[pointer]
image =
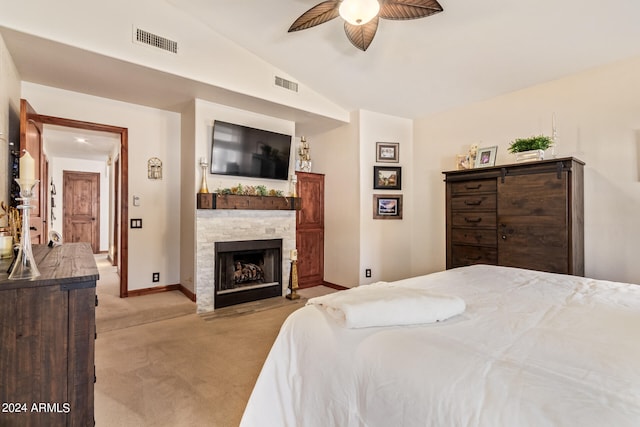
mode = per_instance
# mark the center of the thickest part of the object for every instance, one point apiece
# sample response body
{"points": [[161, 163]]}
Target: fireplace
{"points": [[247, 270]]}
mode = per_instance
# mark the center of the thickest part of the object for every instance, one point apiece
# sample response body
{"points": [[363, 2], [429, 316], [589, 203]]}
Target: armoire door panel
{"points": [[543, 194], [310, 229]]}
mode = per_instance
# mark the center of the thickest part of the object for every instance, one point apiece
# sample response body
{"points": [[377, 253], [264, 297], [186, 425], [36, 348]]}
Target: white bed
{"points": [[531, 349]]}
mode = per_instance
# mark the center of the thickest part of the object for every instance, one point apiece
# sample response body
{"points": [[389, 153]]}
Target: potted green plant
{"points": [[531, 148]]}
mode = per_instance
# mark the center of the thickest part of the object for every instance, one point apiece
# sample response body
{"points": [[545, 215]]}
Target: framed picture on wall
{"points": [[387, 206], [387, 178], [387, 152]]}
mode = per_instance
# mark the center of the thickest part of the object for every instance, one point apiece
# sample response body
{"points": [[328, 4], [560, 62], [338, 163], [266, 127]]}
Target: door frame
{"points": [[123, 265]]}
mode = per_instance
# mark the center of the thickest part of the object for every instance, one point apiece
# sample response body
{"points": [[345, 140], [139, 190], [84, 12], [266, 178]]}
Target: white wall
{"points": [[151, 133], [354, 241], [385, 245], [107, 28], [58, 165], [9, 96], [598, 121], [337, 155]]}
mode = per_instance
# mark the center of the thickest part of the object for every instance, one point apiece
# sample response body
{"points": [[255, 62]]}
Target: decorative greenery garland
{"points": [[250, 190]]}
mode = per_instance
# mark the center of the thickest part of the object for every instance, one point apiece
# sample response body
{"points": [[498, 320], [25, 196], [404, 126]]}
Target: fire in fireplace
{"points": [[247, 270]]}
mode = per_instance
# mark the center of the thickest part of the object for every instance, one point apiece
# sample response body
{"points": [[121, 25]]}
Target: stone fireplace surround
{"points": [[227, 225]]}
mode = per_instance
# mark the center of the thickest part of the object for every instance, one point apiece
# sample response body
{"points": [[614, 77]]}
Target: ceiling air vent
{"points": [[145, 37], [287, 84]]}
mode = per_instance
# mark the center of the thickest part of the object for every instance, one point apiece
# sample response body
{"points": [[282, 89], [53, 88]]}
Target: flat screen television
{"points": [[245, 151]]}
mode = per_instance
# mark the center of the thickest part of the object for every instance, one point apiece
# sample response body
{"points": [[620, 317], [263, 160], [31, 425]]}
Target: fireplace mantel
{"points": [[236, 201]]}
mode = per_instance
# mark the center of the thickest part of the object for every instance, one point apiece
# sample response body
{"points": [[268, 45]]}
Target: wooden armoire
{"points": [[527, 215], [310, 229]]}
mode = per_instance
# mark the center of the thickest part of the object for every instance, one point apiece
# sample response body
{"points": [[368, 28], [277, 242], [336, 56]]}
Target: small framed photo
{"points": [[486, 157], [387, 178], [387, 207], [387, 152]]}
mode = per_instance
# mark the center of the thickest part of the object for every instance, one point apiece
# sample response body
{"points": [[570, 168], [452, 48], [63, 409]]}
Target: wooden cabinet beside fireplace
{"points": [[527, 215], [310, 229]]}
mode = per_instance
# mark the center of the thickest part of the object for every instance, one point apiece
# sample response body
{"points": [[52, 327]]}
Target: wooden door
{"points": [[533, 220], [310, 229], [81, 208], [31, 140]]}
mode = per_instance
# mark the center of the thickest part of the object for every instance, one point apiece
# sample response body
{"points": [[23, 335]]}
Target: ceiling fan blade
{"points": [[408, 9], [318, 14], [361, 36]]}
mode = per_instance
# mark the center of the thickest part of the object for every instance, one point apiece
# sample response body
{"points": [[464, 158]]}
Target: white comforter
{"points": [[531, 349]]}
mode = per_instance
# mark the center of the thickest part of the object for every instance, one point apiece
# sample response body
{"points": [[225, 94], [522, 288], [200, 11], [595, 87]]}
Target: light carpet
{"points": [[182, 370]]}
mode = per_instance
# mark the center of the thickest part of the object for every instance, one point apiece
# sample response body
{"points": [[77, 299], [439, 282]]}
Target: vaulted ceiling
{"points": [[473, 50]]}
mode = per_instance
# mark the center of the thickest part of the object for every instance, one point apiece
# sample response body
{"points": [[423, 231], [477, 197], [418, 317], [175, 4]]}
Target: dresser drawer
{"points": [[472, 202], [462, 255], [472, 236], [474, 219], [474, 187]]}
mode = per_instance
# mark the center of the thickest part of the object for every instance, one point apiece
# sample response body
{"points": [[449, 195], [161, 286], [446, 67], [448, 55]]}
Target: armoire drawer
{"points": [[474, 236], [474, 187], [462, 255], [474, 219], [472, 202]]}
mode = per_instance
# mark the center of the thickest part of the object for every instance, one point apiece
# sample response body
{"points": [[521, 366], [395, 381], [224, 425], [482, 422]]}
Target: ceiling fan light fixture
{"points": [[359, 12]]}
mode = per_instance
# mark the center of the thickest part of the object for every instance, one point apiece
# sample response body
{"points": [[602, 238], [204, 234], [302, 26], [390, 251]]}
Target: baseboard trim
{"points": [[334, 286], [166, 288]]}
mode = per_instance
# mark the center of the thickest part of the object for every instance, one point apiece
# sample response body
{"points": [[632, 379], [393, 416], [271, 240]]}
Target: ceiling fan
{"points": [[362, 16]]}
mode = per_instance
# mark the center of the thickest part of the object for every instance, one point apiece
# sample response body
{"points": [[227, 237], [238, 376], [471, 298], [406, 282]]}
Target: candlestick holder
{"points": [[24, 266], [203, 184], [293, 281]]}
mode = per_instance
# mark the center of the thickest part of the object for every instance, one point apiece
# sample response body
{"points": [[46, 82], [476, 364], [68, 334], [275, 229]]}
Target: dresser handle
{"points": [[473, 187], [474, 220], [472, 203]]}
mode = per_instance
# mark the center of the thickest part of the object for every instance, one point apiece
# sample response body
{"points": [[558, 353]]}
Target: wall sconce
{"points": [[154, 168]]}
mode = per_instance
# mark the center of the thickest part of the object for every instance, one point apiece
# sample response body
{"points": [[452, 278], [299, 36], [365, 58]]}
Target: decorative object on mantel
{"points": [[246, 202], [154, 168], [293, 185], [361, 16], [24, 265], [293, 276], [486, 157], [531, 148], [203, 184], [304, 158]]}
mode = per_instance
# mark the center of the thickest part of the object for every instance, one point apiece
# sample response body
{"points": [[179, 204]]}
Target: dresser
{"points": [[310, 229], [47, 334], [527, 215]]}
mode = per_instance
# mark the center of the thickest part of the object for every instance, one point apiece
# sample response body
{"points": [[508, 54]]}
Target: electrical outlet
{"points": [[367, 272], [156, 277]]}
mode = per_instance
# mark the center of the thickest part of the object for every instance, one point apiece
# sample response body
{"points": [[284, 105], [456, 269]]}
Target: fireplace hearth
{"points": [[247, 270]]}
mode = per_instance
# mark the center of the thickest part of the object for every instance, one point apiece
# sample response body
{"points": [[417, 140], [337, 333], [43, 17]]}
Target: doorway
{"points": [[120, 181]]}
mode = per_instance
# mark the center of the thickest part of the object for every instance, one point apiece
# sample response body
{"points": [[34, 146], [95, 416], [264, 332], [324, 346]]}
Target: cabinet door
{"points": [[310, 229], [533, 222]]}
